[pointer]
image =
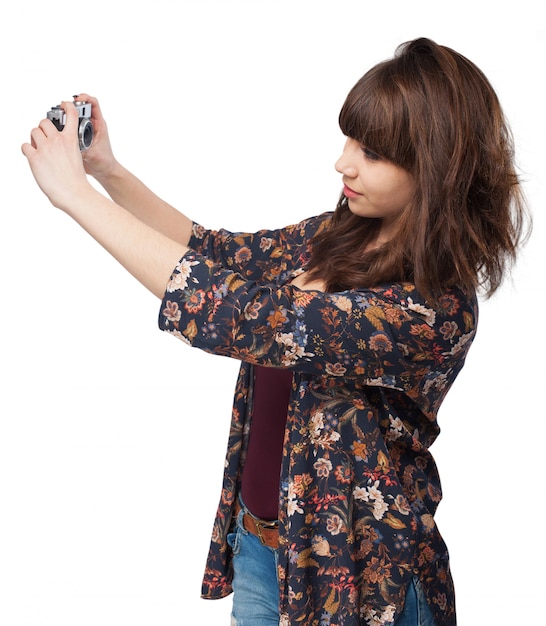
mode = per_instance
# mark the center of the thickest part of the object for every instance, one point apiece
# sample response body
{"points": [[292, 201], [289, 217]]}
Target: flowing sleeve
{"points": [[268, 256], [386, 336]]}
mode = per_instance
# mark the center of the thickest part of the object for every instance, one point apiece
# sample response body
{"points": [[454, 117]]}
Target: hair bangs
{"points": [[375, 114]]}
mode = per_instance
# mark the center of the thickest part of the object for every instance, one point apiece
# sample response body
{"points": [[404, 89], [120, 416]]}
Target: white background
{"points": [[112, 434]]}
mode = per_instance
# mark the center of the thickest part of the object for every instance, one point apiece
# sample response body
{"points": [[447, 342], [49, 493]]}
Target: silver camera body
{"points": [[86, 131]]}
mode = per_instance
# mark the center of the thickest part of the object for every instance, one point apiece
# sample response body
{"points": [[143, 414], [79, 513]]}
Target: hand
{"points": [[99, 159], [56, 162]]}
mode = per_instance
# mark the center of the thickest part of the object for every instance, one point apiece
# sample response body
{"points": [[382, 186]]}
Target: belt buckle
{"points": [[260, 524]]}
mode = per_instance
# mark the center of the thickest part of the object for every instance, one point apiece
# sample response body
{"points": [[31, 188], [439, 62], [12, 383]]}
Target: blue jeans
{"points": [[256, 589], [416, 610], [255, 585]]}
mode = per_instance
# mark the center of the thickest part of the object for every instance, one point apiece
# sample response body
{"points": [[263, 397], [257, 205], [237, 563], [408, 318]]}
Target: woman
{"points": [[350, 327]]}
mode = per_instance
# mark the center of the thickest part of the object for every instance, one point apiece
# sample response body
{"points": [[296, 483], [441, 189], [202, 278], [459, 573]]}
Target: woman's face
{"points": [[373, 186]]}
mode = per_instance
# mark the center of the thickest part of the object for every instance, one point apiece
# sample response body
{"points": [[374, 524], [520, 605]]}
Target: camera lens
{"points": [[85, 133]]}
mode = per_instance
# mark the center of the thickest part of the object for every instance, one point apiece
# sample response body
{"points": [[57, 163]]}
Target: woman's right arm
{"points": [[126, 189]]}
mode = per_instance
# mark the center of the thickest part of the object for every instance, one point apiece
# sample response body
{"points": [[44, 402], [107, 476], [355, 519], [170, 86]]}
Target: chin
{"points": [[359, 211]]}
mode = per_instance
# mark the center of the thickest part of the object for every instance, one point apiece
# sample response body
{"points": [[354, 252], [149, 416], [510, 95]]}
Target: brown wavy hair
{"points": [[434, 113]]}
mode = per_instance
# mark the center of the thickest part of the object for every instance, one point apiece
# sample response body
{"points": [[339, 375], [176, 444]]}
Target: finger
{"points": [[71, 116], [96, 112], [28, 150], [37, 135], [47, 127], [85, 97]]}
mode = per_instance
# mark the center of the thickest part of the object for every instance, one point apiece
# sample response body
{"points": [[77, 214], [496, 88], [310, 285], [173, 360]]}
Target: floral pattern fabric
{"points": [[359, 487]]}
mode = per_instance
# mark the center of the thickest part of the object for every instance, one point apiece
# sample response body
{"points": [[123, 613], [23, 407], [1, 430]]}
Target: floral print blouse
{"points": [[359, 487]]}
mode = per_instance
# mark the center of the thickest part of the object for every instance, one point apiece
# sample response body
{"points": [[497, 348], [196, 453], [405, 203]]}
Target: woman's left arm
{"points": [[56, 163], [385, 336]]}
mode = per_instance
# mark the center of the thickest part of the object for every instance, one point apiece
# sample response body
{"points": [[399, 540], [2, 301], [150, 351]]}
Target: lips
{"points": [[350, 193]]}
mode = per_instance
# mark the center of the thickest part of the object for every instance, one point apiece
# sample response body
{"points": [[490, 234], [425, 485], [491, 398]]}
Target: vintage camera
{"points": [[85, 127]]}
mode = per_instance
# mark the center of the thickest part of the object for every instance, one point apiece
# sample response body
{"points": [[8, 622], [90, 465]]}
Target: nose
{"points": [[346, 164]]}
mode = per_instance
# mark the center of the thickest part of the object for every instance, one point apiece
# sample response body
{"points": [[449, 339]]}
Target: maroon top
{"points": [[261, 472]]}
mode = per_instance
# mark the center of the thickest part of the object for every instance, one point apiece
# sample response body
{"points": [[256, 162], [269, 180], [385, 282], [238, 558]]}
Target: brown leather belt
{"points": [[267, 532]]}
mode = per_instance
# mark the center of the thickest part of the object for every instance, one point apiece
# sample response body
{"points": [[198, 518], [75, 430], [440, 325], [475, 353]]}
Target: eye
{"points": [[370, 154]]}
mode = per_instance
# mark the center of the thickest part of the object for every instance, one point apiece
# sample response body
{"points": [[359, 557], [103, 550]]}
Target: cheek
{"points": [[388, 187], [403, 190], [388, 193]]}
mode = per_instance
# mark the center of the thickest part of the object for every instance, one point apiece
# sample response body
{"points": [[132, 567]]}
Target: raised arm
{"points": [[126, 189], [56, 163]]}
